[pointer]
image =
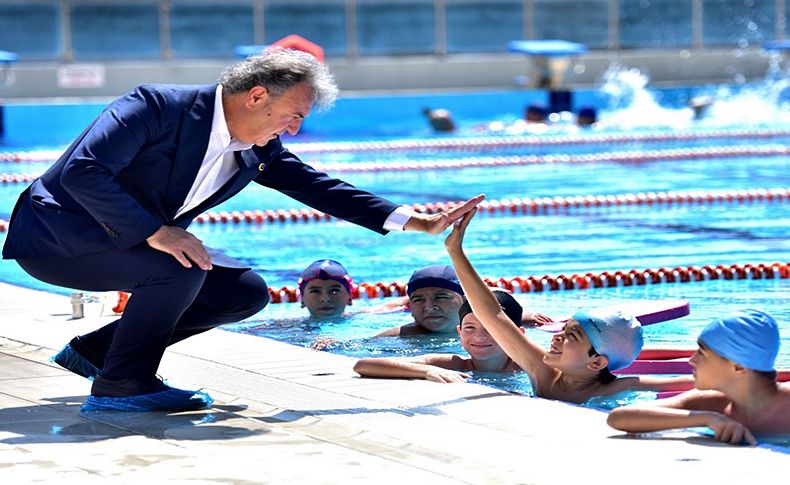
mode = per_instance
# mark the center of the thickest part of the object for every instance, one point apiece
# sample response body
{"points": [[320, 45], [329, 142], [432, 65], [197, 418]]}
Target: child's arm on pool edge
{"points": [[432, 367], [690, 409]]}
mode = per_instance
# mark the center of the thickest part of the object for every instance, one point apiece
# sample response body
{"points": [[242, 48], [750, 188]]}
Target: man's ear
{"points": [[597, 363], [257, 95]]}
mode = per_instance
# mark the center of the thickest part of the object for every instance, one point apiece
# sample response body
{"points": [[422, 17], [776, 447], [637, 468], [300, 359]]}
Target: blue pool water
{"points": [[707, 299], [580, 241]]}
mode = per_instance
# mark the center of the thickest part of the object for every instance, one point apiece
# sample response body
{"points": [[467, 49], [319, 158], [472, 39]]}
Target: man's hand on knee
{"points": [[182, 245]]}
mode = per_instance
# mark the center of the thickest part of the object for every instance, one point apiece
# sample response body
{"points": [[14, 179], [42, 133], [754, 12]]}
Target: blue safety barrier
{"points": [[548, 48]]}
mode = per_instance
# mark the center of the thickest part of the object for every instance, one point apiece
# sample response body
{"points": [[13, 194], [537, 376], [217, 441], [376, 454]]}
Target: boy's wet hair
{"points": [[764, 374], [604, 376]]}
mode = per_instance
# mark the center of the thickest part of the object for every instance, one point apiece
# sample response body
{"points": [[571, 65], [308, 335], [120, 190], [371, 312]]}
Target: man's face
{"points": [[435, 309], [325, 298], [264, 117]]}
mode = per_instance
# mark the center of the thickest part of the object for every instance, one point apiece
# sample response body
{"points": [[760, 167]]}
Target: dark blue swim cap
{"points": [[506, 301], [434, 277]]}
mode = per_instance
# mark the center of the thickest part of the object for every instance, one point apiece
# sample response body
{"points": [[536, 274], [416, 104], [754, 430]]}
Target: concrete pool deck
{"points": [[285, 414]]}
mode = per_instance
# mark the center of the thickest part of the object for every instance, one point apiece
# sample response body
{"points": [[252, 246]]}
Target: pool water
{"points": [[578, 241], [706, 299]]}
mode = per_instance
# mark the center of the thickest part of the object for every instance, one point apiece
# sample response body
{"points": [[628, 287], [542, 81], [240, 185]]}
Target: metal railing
{"points": [[356, 18]]}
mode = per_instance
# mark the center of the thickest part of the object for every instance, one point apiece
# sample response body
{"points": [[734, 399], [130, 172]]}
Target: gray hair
{"points": [[278, 70]]}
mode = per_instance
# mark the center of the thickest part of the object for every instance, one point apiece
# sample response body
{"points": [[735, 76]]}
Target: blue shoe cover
{"points": [[71, 360], [170, 400]]}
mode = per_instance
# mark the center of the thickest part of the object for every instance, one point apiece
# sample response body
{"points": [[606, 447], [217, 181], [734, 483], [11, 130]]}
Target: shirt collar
{"points": [[219, 126]]}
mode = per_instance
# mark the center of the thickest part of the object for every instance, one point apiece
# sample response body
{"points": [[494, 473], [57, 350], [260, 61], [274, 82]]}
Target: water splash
{"points": [[632, 105]]}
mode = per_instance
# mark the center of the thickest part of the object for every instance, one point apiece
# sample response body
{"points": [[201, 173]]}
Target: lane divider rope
{"points": [[628, 156], [17, 178], [477, 143], [524, 206], [632, 156], [516, 206], [587, 281], [31, 156], [537, 284], [506, 141]]}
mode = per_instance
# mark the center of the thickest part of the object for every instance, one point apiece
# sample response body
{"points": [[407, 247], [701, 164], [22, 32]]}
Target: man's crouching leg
{"points": [[228, 295], [127, 381]]}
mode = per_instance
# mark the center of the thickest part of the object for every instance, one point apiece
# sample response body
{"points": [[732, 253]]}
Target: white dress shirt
{"points": [[219, 165], [219, 162]]}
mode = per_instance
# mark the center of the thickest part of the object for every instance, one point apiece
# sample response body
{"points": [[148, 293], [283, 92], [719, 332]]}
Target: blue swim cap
{"points": [[613, 334], [747, 337], [434, 277]]}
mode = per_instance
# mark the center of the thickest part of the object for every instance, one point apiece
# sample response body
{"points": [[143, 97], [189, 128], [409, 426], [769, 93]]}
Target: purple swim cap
{"points": [[325, 269]]}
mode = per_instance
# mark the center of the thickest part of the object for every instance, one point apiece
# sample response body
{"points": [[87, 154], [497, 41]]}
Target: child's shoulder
{"points": [[697, 400], [412, 329], [407, 329], [775, 419]]}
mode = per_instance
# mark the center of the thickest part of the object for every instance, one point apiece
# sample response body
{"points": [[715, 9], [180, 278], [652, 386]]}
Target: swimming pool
{"points": [[720, 229], [506, 244]]}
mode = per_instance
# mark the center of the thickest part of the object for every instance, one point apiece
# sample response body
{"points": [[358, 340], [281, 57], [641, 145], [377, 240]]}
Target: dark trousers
{"points": [[168, 303]]}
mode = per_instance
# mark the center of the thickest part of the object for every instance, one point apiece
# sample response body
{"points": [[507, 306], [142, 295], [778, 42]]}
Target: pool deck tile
{"points": [[284, 414]]}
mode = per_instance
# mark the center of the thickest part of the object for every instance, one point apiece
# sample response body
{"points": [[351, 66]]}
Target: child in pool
{"points": [[325, 287], [736, 391], [484, 353], [578, 363], [434, 297]]}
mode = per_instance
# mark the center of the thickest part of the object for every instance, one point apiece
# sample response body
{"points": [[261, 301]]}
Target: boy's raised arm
{"points": [[528, 355]]}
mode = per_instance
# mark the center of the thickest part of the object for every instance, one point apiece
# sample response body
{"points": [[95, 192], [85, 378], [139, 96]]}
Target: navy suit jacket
{"points": [[129, 172]]}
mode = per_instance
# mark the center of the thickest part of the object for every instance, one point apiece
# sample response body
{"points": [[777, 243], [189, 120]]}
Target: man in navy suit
{"points": [[112, 214]]}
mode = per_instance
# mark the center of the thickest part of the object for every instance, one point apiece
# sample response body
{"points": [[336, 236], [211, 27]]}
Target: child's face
{"points": [[476, 340], [325, 298], [569, 349], [435, 309], [709, 368]]}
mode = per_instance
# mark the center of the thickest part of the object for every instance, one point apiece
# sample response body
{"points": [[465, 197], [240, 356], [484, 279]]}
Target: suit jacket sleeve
{"points": [[288, 174], [90, 174]]}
